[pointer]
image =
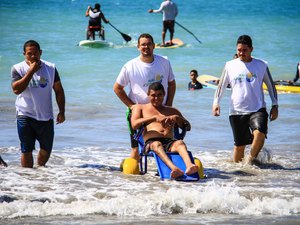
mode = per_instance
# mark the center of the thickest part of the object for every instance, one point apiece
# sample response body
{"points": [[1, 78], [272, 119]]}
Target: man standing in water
{"points": [[33, 81], [139, 73], [170, 11], [159, 122], [248, 115]]}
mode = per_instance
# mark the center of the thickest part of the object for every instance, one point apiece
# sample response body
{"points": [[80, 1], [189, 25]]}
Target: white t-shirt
{"points": [[139, 75], [169, 10], [246, 81], [36, 100]]}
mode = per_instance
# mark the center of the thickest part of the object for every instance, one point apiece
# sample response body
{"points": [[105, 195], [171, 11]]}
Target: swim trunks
{"points": [[168, 25], [30, 130], [166, 143], [241, 125]]}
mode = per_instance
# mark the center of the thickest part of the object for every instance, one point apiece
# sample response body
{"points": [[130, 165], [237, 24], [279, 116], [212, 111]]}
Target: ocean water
{"points": [[82, 183]]}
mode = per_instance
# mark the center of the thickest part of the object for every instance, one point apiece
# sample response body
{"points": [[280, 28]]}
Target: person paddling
{"points": [[96, 15], [170, 11]]}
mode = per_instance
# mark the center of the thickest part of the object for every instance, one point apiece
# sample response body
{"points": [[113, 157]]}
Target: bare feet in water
{"points": [[176, 173], [249, 160], [192, 169]]}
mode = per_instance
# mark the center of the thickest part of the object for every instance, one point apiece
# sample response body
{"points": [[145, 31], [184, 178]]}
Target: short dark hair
{"points": [[145, 35], [156, 86], [97, 6], [31, 43], [245, 40], [194, 71]]}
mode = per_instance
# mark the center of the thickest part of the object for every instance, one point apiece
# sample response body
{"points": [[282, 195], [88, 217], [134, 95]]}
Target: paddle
{"points": [[188, 31], [125, 36]]}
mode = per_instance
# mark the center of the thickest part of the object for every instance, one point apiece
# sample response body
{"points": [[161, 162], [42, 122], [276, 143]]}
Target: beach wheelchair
{"points": [[92, 30], [163, 170]]}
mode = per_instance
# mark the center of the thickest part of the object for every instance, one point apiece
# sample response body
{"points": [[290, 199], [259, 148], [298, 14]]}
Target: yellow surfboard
{"points": [[285, 87], [176, 43], [281, 85]]}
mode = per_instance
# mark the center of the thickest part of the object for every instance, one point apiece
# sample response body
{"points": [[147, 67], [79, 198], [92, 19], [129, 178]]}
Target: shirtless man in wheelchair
{"points": [[158, 121]]}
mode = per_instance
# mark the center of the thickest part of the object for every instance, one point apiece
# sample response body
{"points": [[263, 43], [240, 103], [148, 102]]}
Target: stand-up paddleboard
{"points": [[94, 43], [284, 86], [209, 81], [176, 43]]}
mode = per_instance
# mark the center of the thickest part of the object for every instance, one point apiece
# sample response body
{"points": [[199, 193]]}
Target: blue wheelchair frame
{"points": [[163, 170]]}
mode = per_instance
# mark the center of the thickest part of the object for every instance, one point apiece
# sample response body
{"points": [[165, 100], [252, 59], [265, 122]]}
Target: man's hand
{"points": [[216, 110], [166, 121], [132, 106], [187, 126], [171, 120], [60, 118], [274, 113], [35, 66]]}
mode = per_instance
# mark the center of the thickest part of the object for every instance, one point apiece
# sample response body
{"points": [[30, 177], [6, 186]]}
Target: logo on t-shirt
{"points": [[39, 82], [34, 83], [250, 77], [43, 82], [158, 78]]}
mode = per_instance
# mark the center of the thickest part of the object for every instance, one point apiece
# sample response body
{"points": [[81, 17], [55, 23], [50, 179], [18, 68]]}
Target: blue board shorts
{"points": [[30, 130], [242, 125]]}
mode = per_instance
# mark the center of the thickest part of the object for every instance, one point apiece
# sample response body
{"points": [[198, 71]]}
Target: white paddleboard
{"points": [[94, 43]]}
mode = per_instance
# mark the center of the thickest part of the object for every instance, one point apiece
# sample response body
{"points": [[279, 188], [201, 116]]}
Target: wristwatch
{"points": [[275, 106]]}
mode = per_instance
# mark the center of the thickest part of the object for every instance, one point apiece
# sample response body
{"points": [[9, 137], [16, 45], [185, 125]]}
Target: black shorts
{"points": [[243, 126], [166, 143], [168, 25]]}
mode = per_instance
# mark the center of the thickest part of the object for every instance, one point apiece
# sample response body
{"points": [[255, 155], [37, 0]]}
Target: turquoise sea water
{"points": [[80, 184]]}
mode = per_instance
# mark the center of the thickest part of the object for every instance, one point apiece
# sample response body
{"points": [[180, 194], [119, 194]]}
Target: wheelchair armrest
{"points": [[179, 135]]}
